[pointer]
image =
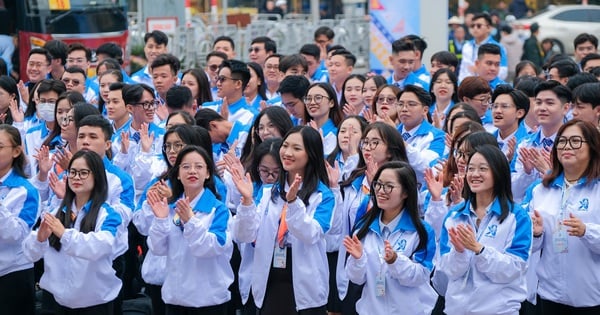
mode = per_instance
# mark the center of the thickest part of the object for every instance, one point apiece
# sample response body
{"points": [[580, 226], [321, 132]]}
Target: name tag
{"points": [[279, 257]]}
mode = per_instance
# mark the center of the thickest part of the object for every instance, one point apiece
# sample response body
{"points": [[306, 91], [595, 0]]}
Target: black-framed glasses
{"points": [[484, 100], [387, 188], [82, 173], [223, 78], [148, 105], [502, 106], [266, 173], [176, 147], [575, 142], [369, 144], [316, 98], [461, 154]]}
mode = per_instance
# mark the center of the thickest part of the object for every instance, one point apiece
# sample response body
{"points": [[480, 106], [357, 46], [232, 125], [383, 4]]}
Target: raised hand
{"points": [[294, 187], [58, 186], [372, 168], [353, 140], [456, 188], [437, 119], [24, 91], [435, 184], [390, 255], [44, 162], [467, 237], [124, 142], [512, 146], [159, 204], [15, 110], [455, 240], [225, 108], [353, 246], [370, 116], [538, 223], [184, 209], [333, 173], [44, 231], [243, 183], [62, 158], [576, 226], [526, 158], [350, 110], [146, 139], [263, 105], [54, 224]]}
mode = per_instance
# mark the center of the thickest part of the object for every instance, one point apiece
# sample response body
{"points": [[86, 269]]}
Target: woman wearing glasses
{"points": [[566, 223], [384, 104], [76, 241], [289, 220], [190, 228], [485, 241], [391, 249], [323, 113]]}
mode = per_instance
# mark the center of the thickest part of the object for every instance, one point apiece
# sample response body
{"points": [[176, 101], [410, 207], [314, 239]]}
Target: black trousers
{"points": [[155, 294], [553, 308], [102, 309], [17, 293], [208, 310]]}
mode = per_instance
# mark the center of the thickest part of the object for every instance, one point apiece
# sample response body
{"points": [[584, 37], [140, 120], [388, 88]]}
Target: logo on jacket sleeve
{"points": [[491, 231], [584, 204]]}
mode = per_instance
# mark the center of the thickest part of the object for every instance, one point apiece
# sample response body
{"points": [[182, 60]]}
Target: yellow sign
{"points": [[59, 5]]}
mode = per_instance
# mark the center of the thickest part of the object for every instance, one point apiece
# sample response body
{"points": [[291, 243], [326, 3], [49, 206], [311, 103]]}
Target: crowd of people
{"points": [[293, 185]]}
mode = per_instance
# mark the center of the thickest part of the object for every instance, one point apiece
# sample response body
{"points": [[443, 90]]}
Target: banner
{"points": [[390, 20]]}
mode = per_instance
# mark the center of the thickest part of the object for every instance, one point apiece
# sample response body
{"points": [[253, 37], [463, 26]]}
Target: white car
{"points": [[562, 23]]}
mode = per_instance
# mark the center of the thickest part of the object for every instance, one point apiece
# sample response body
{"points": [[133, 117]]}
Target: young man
{"points": [[442, 60], [340, 65], [223, 133], [164, 71], [226, 45], [552, 102], [180, 98], [289, 65], [80, 56], [403, 61], [155, 44], [324, 36], [118, 114], [584, 45], [214, 59], [590, 62], [58, 50], [480, 28], [74, 79], [424, 143], [562, 70], [419, 68], [487, 64], [260, 48], [272, 75], [231, 83], [315, 72], [587, 103], [114, 51], [292, 89], [38, 67]]}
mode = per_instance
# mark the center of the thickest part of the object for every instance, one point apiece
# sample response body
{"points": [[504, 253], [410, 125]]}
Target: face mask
{"points": [[46, 111]]}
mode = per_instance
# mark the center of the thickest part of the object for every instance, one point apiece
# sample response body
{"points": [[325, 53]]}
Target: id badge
{"points": [[380, 284], [279, 257], [560, 240]]}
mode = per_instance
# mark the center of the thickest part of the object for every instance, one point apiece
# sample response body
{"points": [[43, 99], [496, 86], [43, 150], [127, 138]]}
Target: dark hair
{"points": [[97, 121], [579, 79], [297, 85], [452, 76], [395, 90], [486, 16], [3, 67], [311, 50], [239, 69], [178, 97], [159, 37], [473, 86], [215, 53], [470, 115], [324, 30], [465, 107], [79, 46], [57, 49], [527, 84], [348, 56], [114, 72], [461, 132], [280, 119], [588, 93], [500, 168], [446, 58], [72, 97], [400, 45], [226, 39], [189, 120], [43, 86], [595, 71], [587, 58], [362, 122], [335, 47], [561, 91], [204, 116], [585, 37], [262, 89], [591, 135], [41, 51], [75, 70], [98, 197], [524, 63], [133, 93], [204, 92], [490, 49], [18, 163], [566, 68], [423, 96], [292, 60], [270, 45], [408, 180], [274, 55], [177, 186], [419, 43], [314, 171], [335, 112], [109, 64], [9, 85], [112, 50], [82, 110], [359, 77], [186, 133], [167, 59], [520, 99], [268, 147]]}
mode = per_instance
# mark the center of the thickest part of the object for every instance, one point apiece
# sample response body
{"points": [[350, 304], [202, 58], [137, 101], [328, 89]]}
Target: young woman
{"points": [[324, 113], [271, 122], [9, 100], [19, 202], [256, 89], [384, 103], [352, 99], [391, 249], [485, 241], [197, 81], [444, 86], [526, 68], [76, 242], [105, 79], [290, 220], [190, 228], [346, 153], [566, 223], [370, 87]]}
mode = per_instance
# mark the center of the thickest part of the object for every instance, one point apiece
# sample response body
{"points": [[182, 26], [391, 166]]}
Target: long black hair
{"points": [[280, 119], [9, 85], [97, 197], [177, 186], [18, 163], [408, 179], [268, 147], [314, 171]]}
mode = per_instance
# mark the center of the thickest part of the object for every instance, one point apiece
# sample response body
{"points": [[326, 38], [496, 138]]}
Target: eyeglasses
{"points": [[503, 106], [575, 142], [369, 144], [483, 100], [188, 167], [82, 173], [317, 98], [266, 173], [254, 49], [223, 78], [477, 25], [148, 105], [213, 68], [6, 146], [386, 100], [461, 154], [44, 100], [409, 104], [32, 64], [387, 188], [66, 120], [69, 81], [176, 147]]}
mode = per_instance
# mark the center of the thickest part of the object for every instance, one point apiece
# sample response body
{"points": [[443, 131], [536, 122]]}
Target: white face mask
{"points": [[46, 111]]}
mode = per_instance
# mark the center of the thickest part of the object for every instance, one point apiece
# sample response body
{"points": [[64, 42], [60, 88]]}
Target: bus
{"points": [[90, 22]]}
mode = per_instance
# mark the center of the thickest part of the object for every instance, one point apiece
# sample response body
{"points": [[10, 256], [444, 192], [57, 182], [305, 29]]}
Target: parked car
{"points": [[562, 23]]}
